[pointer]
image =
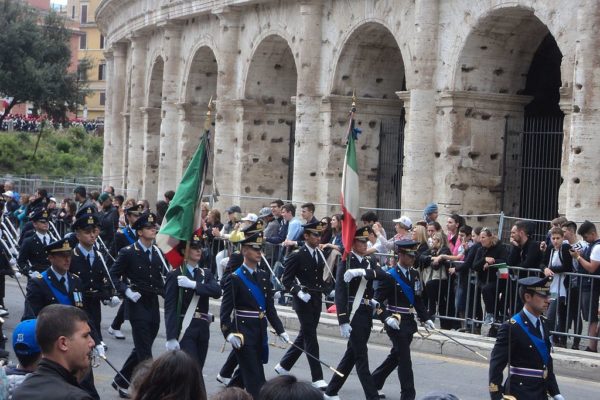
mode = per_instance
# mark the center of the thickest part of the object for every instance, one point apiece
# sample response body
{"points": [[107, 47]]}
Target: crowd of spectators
{"points": [[33, 123]]}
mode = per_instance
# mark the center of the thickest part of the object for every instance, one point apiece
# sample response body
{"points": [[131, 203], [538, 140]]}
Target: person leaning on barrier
{"points": [[557, 260], [492, 285], [524, 343], [574, 312], [525, 252], [589, 263], [63, 334]]}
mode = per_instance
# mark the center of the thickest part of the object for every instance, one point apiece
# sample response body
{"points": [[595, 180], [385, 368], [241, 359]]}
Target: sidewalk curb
{"points": [[571, 363]]}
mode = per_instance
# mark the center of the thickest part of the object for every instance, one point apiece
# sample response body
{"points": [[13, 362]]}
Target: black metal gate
{"points": [[389, 175], [531, 168]]}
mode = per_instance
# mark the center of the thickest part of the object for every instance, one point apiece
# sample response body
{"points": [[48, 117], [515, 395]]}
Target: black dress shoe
{"points": [[123, 393]]}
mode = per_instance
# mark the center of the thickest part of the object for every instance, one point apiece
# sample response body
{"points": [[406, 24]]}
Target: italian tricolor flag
{"points": [[183, 217], [349, 198]]}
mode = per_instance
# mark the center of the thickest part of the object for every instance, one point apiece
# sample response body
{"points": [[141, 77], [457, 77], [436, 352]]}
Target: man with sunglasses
{"points": [[303, 278]]}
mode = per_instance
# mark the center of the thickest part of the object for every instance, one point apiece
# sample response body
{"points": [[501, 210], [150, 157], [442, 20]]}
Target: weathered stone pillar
{"points": [[169, 127], [420, 133], [308, 174], [151, 117], [109, 121], [191, 125], [117, 100], [135, 156], [228, 122], [583, 191], [468, 154], [566, 106]]}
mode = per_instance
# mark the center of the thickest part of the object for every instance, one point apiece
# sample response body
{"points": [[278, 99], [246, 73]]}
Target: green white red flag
{"points": [[350, 192], [183, 216]]}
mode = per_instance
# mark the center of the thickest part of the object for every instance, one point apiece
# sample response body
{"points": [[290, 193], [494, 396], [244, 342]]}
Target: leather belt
{"points": [[528, 372], [363, 301], [249, 314], [400, 310]]}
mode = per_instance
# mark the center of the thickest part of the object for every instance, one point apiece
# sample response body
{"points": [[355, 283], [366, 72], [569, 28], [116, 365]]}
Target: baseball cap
{"points": [[233, 209], [250, 217], [23, 338], [404, 220]]}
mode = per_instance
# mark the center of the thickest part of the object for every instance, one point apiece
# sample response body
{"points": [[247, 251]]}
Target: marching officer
{"points": [[399, 297], [90, 266], [247, 305], [303, 278], [523, 342], [138, 276], [56, 285], [354, 303], [124, 237], [187, 291], [32, 256]]}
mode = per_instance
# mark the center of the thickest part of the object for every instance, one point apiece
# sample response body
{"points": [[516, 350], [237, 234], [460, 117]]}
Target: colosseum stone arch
{"points": [[441, 87]]}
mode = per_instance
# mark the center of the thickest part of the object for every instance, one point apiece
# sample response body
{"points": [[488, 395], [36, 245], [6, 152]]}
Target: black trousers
{"points": [[92, 307], [119, 318], [229, 366], [195, 342], [251, 369], [144, 332], [356, 354], [308, 315], [399, 357]]}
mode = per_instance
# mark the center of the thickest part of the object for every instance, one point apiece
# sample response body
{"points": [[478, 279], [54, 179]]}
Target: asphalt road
{"points": [[465, 379]]}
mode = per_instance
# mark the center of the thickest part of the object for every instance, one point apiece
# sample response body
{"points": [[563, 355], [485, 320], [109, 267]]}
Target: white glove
{"points": [[235, 341], [332, 293], [34, 274], [559, 397], [133, 296], [277, 295], [172, 344], [17, 275], [14, 252], [345, 330], [185, 282], [284, 337], [429, 325], [305, 297], [392, 323], [114, 301], [374, 303], [353, 273], [100, 351], [12, 262]]}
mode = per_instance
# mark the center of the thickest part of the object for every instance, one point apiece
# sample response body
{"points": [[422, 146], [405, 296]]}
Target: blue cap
{"points": [[23, 338]]}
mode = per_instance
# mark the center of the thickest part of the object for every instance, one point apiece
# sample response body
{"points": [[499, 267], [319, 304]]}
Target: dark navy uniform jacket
{"points": [[206, 287], [33, 251], [237, 296], [95, 279], [390, 293], [300, 264], [345, 292], [523, 354], [39, 295], [122, 240], [133, 269]]}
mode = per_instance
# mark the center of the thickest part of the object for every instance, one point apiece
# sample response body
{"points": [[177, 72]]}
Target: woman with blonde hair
{"points": [[436, 277]]}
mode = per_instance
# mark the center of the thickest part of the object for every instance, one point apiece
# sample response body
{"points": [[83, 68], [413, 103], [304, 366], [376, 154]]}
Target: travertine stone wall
{"points": [[457, 69]]}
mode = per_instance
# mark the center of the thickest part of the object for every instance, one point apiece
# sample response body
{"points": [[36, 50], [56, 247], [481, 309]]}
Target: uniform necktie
{"points": [[62, 282], [89, 260], [45, 240], [538, 327], [148, 254], [315, 257]]}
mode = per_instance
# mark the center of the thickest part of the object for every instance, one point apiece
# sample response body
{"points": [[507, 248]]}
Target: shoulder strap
{"points": [[125, 231], [60, 296], [539, 343], [258, 295], [406, 289]]}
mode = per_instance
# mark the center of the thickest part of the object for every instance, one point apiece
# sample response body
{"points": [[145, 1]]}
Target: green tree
{"points": [[34, 61]]}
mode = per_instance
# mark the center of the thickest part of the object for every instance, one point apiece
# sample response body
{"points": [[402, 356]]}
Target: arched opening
{"points": [[371, 66], [268, 122], [511, 53], [200, 86], [152, 120]]}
